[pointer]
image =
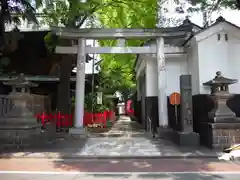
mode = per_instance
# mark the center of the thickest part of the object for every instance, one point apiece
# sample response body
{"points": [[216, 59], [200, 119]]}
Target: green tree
{"points": [[208, 7], [72, 14], [216, 4], [117, 70], [11, 11]]}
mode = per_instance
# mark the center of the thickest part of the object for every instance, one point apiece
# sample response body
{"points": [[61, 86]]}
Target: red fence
{"points": [[98, 118]]}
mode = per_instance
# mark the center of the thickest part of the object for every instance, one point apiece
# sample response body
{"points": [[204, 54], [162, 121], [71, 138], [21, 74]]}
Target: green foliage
{"points": [[11, 11], [73, 13], [24, 8], [91, 103], [216, 4], [51, 40], [117, 70]]}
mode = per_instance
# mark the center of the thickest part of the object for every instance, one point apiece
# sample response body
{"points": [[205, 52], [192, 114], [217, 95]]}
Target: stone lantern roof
{"points": [[220, 80], [20, 82]]}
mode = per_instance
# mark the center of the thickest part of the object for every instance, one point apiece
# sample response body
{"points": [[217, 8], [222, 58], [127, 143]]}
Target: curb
{"points": [[70, 157]]}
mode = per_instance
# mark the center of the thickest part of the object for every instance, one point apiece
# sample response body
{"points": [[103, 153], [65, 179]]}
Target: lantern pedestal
{"points": [[221, 112], [186, 138], [220, 135]]}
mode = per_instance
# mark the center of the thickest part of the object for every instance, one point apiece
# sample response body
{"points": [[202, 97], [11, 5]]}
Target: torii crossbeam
{"points": [[81, 50]]}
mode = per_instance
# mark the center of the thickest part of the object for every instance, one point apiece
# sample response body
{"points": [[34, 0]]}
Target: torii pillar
{"points": [[80, 50], [162, 96], [78, 128]]}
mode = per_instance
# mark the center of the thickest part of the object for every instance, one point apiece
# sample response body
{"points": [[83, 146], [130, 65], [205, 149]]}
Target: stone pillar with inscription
{"points": [[186, 136]]}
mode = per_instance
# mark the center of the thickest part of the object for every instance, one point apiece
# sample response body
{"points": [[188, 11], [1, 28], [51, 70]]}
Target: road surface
{"points": [[117, 165], [122, 176], [118, 169]]}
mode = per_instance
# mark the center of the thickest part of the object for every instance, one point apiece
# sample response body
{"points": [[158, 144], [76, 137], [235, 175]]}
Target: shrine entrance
{"points": [[80, 48]]}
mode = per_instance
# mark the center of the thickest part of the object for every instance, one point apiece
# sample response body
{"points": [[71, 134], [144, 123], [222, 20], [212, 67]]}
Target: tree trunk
{"points": [[2, 23], [64, 101]]}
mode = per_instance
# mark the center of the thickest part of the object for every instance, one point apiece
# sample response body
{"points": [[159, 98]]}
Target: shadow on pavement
{"points": [[142, 165], [182, 176], [63, 146]]}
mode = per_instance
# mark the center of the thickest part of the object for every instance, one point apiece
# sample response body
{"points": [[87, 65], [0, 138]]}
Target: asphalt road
{"points": [[123, 176], [117, 165], [118, 169]]}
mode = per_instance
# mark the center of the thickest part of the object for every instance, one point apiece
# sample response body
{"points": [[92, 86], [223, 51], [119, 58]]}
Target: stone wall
{"points": [[219, 135]]}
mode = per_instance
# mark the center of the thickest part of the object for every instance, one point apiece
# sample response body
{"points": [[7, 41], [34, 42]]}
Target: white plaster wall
{"points": [[216, 56], [212, 58], [234, 61], [193, 66], [151, 78], [174, 68]]}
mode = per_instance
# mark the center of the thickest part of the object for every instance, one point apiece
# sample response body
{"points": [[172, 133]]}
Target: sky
{"points": [[230, 15]]}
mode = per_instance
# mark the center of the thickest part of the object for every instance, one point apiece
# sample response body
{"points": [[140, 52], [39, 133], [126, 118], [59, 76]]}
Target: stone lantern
{"points": [[18, 125], [20, 98], [220, 94], [20, 85]]}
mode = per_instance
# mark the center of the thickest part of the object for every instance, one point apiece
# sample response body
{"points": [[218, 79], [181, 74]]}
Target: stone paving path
{"points": [[125, 139], [134, 141]]}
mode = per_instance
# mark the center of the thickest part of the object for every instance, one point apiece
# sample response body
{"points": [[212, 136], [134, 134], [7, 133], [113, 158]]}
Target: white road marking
{"points": [[114, 173]]}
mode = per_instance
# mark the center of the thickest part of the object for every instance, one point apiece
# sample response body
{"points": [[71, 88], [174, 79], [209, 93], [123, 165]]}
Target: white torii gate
{"points": [[82, 34]]}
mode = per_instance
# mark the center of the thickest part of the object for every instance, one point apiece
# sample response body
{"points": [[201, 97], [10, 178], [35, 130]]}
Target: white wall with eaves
{"points": [[217, 50]]}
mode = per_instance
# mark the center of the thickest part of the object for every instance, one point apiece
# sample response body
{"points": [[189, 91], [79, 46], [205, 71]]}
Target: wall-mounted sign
{"points": [[175, 101], [99, 97], [174, 98]]}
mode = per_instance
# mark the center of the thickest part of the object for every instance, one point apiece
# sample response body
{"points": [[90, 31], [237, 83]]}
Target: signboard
{"points": [[99, 97], [174, 98]]}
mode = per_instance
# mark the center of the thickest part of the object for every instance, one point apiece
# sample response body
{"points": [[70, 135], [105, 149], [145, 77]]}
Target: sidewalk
{"points": [[126, 139]]}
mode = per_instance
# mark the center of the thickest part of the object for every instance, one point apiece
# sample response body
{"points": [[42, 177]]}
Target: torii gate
{"points": [[81, 50]]}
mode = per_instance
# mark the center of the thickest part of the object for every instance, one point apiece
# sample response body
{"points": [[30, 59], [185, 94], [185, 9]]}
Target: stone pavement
{"points": [[125, 139]]}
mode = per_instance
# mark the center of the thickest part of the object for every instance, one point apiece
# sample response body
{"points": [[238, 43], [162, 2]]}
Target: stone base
{"points": [[78, 132], [220, 135], [165, 132], [186, 138], [26, 136]]}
